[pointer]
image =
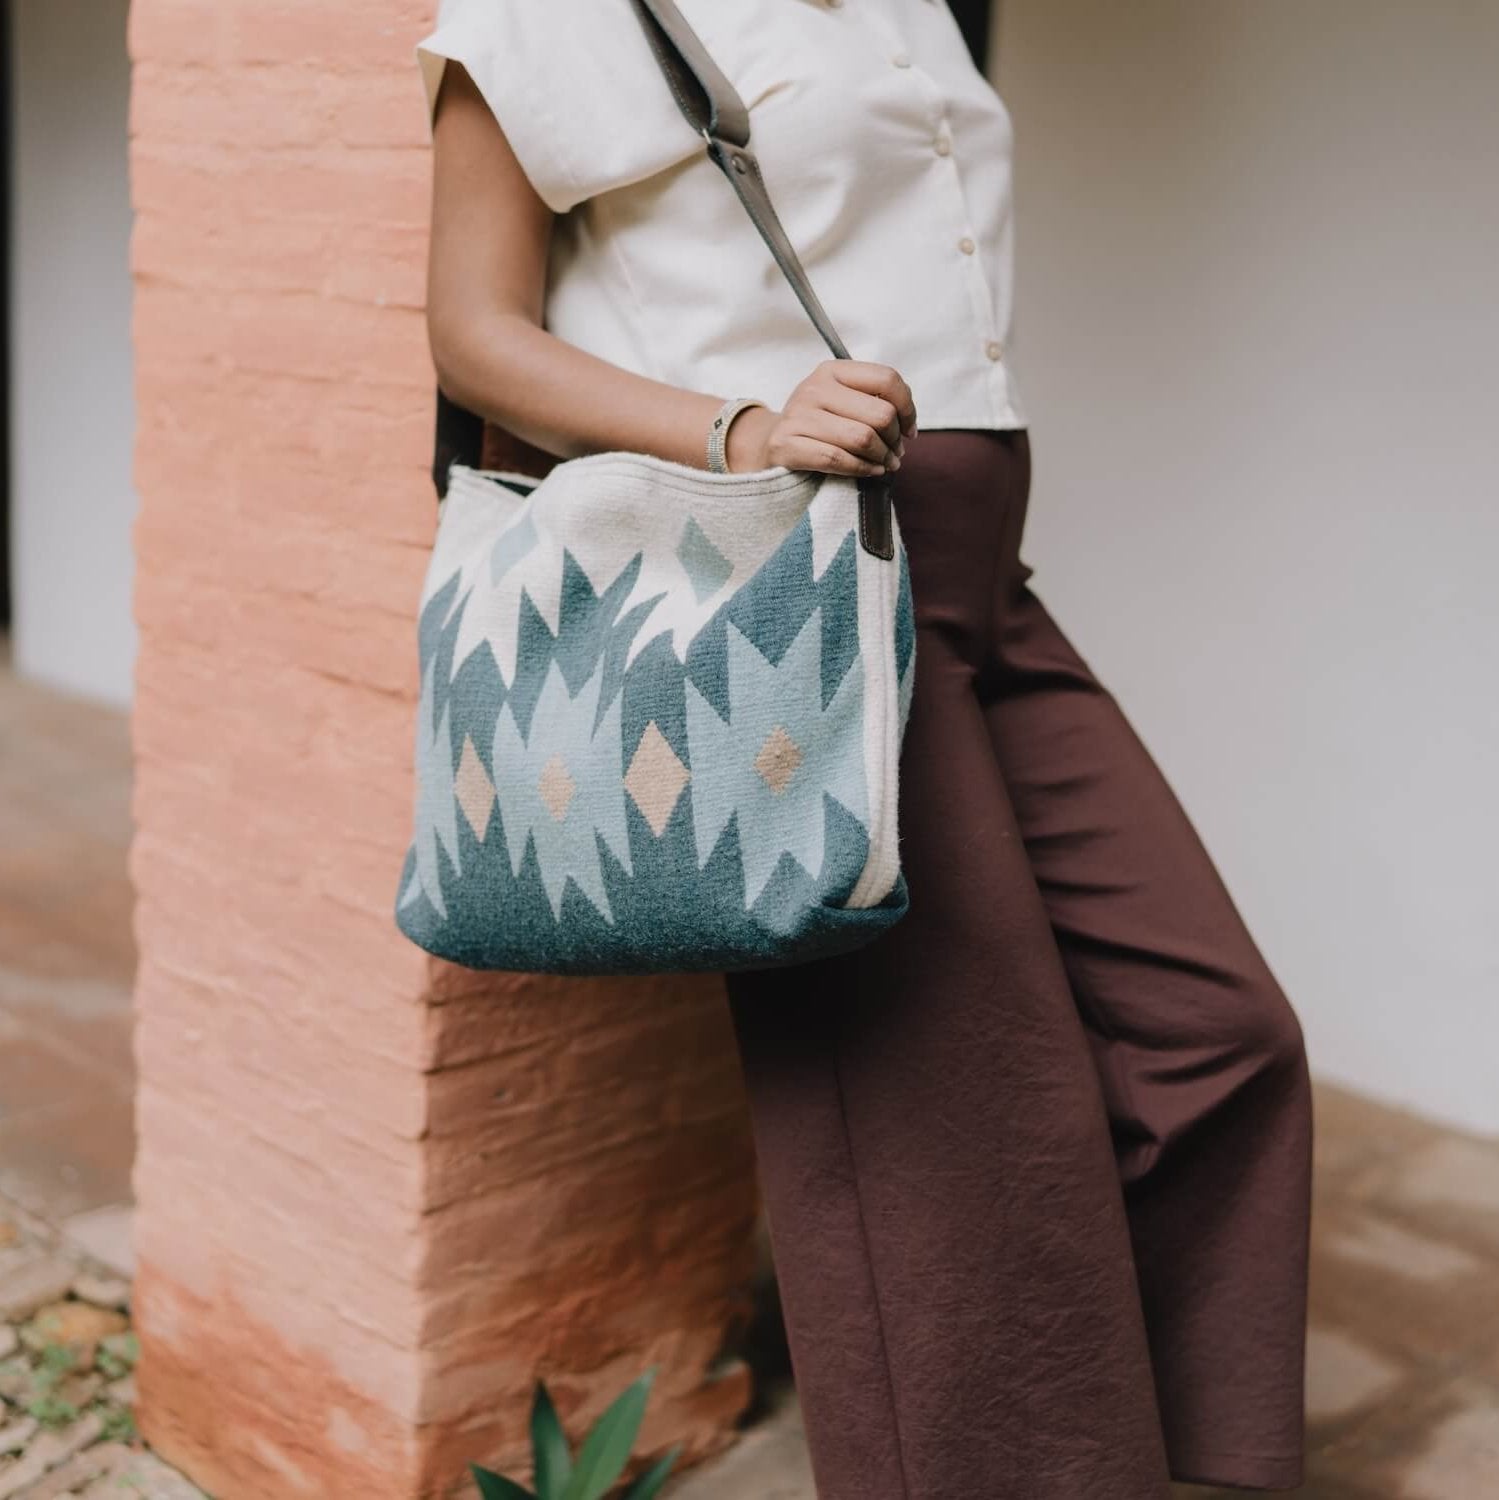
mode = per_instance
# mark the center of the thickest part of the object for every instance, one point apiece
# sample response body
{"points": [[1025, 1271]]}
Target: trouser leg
{"points": [[944, 1204], [1199, 1055]]}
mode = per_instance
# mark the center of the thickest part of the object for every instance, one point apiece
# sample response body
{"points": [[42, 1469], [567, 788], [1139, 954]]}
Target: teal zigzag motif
{"points": [[437, 638], [773, 609], [760, 766], [436, 808], [591, 636], [561, 787]]}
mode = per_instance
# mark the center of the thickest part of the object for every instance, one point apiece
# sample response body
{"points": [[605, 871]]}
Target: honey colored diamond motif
{"points": [[779, 760], [556, 788], [475, 792], [655, 779]]}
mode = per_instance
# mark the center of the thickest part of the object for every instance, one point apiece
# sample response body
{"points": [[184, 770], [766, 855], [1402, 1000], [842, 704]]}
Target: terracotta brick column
{"points": [[377, 1197]]}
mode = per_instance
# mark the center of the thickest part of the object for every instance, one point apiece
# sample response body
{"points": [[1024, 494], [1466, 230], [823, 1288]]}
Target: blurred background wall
{"points": [[71, 414], [1258, 340]]}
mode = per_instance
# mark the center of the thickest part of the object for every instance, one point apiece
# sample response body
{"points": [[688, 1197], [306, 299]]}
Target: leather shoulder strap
{"points": [[712, 106]]}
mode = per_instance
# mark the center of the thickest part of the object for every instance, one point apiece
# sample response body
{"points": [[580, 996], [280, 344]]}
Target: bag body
{"points": [[660, 719], [661, 707]]}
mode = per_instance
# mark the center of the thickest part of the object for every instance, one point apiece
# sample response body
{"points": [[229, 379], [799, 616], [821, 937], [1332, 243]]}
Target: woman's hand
{"points": [[846, 417]]}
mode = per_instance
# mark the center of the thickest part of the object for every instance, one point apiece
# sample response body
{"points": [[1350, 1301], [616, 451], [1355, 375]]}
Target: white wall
{"points": [[72, 412], [1259, 291]]}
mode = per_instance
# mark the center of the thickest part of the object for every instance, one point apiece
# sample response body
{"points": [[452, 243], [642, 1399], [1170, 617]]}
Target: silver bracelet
{"points": [[718, 432]]}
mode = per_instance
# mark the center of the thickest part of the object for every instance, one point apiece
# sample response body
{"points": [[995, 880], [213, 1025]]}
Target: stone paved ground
{"points": [[66, 954], [66, 1382], [1404, 1369]]}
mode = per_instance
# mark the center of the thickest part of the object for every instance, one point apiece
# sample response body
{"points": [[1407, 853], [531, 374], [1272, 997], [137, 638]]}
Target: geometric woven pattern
{"points": [[779, 760], [658, 725], [655, 779], [706, 567]]}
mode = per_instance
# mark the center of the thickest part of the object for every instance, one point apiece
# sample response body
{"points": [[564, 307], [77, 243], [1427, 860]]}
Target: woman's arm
{"points": [[486, 282]]}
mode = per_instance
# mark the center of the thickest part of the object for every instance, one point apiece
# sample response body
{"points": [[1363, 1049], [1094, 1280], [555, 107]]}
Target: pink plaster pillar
{"points": [[378, 1196]]}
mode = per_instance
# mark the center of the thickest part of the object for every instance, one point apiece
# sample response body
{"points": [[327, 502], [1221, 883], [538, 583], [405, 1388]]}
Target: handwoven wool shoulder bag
{"points": [[661, 708]]}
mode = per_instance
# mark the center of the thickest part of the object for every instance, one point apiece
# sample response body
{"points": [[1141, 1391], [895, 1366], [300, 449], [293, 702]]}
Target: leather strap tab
{"points": [[876, 525]]}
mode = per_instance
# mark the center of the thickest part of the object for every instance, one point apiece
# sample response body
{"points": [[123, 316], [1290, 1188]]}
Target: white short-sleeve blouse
{"points": [[886, 151]]}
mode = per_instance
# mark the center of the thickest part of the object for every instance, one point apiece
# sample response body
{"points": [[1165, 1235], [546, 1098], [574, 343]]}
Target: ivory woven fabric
{"points": [[659, 723]]}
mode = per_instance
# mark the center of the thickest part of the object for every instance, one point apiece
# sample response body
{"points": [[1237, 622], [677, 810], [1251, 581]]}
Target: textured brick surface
{"points": [[377, 1196]]}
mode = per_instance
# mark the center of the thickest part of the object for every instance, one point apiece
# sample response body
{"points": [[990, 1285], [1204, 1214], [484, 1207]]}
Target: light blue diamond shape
{"points": [[706, 567], [514, 543]]}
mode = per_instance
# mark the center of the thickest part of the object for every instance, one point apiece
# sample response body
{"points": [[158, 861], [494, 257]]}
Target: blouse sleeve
{"points": [[574, 86]]}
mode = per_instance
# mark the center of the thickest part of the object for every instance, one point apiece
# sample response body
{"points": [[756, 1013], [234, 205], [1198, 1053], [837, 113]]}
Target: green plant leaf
{"points": [[650, 1482], [119, 1425], [496, 1487], [606, 1450], [56, 1361], [549, 1444], [51, 1412]]}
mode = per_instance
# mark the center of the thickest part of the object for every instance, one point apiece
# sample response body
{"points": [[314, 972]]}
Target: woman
{"points": [[1036, 1162]]}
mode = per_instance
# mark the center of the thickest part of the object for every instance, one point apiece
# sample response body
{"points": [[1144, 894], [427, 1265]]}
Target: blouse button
{"points": [[966, 245], [902, 59], [942, 146], [994, 349]]}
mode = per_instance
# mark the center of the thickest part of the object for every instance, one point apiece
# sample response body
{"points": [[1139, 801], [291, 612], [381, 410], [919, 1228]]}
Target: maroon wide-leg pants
{"points": [[1036, 1162]]}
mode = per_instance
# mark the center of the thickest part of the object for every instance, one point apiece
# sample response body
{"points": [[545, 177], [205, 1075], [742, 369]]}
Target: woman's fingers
{"points": [[828, 444], [858, 439], [846, 417], [876, 412], [826, 458], [876, 380]]}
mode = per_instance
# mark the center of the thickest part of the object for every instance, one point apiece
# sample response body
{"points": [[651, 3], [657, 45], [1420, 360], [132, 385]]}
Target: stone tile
{"points": [[1451, 1185], [38, 1281], [87, 1018], [65, 828], [1354, 1133], [71, 1157], [102, 1291], [73, 1325], [769, 1463], [104, 1234], [142, 1477], [49, 1451], [67, 951], [1375, 1242], [1426, 1445], [1484, 1360], [1461, 1458], [1343, 1375], [36, 1074], [15, 1435], [1404, 1292], [95, 1463]]}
